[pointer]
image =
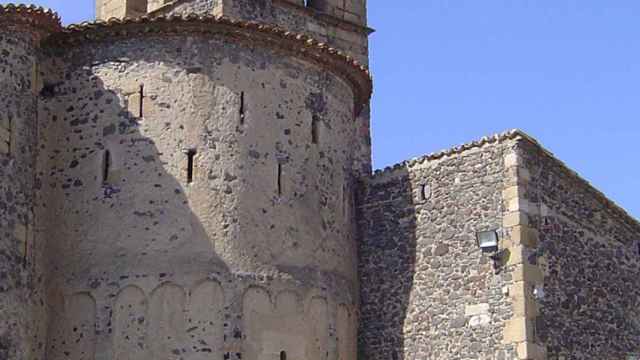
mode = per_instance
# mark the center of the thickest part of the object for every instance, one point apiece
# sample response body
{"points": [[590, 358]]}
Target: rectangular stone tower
{"points": [[107, 9]]}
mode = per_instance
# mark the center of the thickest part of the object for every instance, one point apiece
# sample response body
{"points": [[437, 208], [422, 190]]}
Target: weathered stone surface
{"points": [[172, 192], [427, 290], [588, 249]]}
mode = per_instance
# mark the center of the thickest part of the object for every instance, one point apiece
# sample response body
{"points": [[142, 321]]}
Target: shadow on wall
{"points": [[133, 272], [387, 264], [143, 165]]}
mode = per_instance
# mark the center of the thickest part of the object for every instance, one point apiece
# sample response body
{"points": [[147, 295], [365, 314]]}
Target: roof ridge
{"points": [[501, 137], [492, 139], [29, 9], [47, 17]]}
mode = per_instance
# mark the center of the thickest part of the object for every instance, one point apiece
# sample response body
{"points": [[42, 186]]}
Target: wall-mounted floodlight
{"points": [[488, 241]]}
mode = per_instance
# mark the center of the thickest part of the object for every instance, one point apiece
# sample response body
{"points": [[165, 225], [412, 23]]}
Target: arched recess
{"points": [[73, 329], [346, 333], [167, 327], [317, 319], [205, 321], [129, 325], [258, 313]]}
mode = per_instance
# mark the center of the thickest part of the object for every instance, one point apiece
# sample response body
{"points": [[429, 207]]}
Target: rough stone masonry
{"points": [[191, 180]]}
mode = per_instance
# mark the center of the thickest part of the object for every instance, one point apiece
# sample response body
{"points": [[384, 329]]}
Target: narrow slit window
{"points": [[25, 254], [345, 199], [315, 131], [283, 355], [141, 110], [279, 179], [425, 192], [106, 166], [191, 153], [10, 136], [242, 115]]}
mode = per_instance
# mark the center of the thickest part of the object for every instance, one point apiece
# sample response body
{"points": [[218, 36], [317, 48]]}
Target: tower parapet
{"points": [[22, 311]]}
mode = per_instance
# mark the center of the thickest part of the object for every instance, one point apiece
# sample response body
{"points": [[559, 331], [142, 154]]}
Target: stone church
{"points": [[191, 180]]}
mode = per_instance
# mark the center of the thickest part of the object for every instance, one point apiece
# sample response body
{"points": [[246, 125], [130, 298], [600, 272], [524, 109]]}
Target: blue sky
{"points": [[450, 71]]}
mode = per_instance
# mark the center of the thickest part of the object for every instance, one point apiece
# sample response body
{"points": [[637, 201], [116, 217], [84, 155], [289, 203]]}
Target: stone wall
{"points": [[589, 251], [188, 172], [427, 289], [21, 297]]}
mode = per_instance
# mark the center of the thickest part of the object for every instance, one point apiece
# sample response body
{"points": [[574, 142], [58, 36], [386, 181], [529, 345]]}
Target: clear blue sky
{"points": [[450, 71]]}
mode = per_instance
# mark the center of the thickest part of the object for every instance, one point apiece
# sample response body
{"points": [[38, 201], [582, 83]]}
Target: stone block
{"points": [[516, 255], [528, 273], [5, 134], [514, 219], [513, 192], [512, 160], [530, 351], [479, 321], [517, 204], [524, 305], [517, 330], [479, 309], [524, 235]]}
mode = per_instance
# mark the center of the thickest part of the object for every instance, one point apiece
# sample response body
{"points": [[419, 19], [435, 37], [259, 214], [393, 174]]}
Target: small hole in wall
{"points": [[315, 131], [141, 112], [191, 153], [279, 179], [283, 355], [106, 165], [242, 115]]}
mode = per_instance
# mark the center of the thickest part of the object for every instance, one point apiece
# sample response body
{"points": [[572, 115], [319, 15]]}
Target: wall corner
{"points": [[520, 243]]}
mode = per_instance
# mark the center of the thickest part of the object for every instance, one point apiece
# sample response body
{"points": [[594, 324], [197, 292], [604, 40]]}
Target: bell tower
{"points": [[353, 11], [107, 9]]}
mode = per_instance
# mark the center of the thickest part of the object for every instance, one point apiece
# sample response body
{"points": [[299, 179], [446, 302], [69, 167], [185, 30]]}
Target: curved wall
{"points": [[21, 296], [267, 202]]}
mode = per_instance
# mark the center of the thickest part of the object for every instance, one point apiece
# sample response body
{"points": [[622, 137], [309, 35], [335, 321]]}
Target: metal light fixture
{"points": [[488, 241]]}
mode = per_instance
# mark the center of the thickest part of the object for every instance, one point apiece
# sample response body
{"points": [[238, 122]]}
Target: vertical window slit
{"points": [[314, 130], [283, 355], [191, 153], [10, 138], [141, 110], [424, 192], [25, 256], [345, 204], [242, 108], [279, 179], [106, 166]]}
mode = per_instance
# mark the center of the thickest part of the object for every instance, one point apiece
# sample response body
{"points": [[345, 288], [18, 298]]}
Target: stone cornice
{"points": [[298, 45], [520, 135], [35, 19]]}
